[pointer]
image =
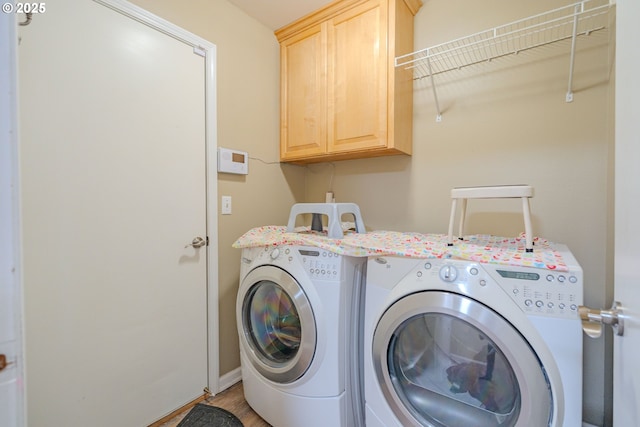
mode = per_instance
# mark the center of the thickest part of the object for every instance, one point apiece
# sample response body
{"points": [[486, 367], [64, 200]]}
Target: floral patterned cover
{"points": [[479, 248]]}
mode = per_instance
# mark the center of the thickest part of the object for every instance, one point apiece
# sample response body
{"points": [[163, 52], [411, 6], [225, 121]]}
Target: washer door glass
{"points": [[275, 328], [278, 327], [450, 361]]}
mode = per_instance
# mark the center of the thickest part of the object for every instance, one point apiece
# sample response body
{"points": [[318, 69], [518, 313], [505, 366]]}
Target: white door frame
{"points": [[10, 243], [208, 50]]}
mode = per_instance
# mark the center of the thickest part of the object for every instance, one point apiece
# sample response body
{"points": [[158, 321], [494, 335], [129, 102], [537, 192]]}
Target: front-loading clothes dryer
{"points": [[299, 317], [452, 343]]}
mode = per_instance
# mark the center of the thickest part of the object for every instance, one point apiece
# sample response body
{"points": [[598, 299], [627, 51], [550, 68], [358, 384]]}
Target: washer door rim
{"points": [[295, 368], [484, 319]]}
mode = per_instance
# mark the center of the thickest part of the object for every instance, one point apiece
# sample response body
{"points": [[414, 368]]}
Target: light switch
{"points": [[226, 205]]}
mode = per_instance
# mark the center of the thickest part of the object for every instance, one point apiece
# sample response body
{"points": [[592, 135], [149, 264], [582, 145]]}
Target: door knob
{"points": [[197, 242], [592, 320]]}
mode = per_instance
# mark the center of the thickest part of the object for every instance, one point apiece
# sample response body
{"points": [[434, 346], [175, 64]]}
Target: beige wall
{"points": [[504, 122], [248, 119]]}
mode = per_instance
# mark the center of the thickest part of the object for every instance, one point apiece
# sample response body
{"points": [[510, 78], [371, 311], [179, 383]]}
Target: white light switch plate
{"points": [[226, 205]]}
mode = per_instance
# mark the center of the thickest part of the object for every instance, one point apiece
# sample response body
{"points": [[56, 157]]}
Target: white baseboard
{"points": [[229, 379]]}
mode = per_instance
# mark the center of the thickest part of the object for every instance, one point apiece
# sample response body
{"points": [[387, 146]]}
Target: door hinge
{"points": [[3, 362], [207, 240], [200, 51]]}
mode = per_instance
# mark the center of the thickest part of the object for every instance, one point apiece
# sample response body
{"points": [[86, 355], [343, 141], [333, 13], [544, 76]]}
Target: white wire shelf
{"points": [[565, 23]]}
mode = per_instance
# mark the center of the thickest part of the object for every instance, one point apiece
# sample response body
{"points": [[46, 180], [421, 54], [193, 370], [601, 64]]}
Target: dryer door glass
{"points": [[449, 361], [278, 329], [449, 371]]}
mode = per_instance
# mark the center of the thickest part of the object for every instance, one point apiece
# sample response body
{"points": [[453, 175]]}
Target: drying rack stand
{"points": [[567, 22]]}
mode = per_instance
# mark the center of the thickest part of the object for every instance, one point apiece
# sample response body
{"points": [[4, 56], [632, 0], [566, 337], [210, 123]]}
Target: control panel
{"points": [[321, 264], [553, 295], [536, 291], [318, 263]]}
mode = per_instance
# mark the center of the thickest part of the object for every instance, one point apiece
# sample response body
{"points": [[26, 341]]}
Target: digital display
{"points": [[518, 275], [237, 157], [309, 253]]}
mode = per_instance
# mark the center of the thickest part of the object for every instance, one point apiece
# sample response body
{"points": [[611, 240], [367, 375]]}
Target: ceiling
{"points": [[278, 13]]}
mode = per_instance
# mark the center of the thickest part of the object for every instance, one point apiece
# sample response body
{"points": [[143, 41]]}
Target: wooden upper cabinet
{"points": [[303, 119], [341, 96]]}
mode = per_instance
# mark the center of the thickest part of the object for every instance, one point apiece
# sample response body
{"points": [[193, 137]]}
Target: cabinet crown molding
{"points": [[329, 11]]}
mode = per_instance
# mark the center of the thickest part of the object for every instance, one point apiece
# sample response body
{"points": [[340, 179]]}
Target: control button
{"points": [[561, 278], [286, 251], [562, 306], [419, 274], [483, 282], [324, 254], [473, 271], [275, 253], [448, 273], [323, 272], [528, 302], [550, 277], [516, 291], [550, 305], [539, 303], [573, 279], [573, 307], [427, 266], [290, 258], [317, 271]]}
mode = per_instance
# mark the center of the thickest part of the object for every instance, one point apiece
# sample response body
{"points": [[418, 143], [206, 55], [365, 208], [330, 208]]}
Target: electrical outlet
{"points": [[226, 205]]}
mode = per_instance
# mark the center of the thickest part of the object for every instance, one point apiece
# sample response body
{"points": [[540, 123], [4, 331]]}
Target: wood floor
{"points": [[232, 399]]}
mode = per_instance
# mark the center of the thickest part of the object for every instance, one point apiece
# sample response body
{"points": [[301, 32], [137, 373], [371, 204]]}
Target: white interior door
{"points": [[626, 375], [113, 162]]}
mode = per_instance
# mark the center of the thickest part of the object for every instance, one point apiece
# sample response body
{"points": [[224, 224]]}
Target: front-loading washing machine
{"points": [[452, 343], [299, 317]]}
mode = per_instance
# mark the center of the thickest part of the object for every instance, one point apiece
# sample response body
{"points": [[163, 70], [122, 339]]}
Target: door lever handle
{"points": [[593, 319], [197, 242]]}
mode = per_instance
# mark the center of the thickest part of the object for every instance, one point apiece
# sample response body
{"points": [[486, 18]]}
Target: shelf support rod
{"points": [[433, 88], [577, 10]]}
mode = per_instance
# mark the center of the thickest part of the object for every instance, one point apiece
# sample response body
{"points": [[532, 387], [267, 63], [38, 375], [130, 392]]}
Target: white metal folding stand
{"points": [[523, 192]]}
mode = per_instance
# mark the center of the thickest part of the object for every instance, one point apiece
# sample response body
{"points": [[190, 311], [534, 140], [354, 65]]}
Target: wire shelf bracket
{"points": [[564, 23]]}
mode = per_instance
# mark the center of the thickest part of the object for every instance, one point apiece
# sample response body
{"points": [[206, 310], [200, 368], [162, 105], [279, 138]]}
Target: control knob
{"points": [[448, 273]]}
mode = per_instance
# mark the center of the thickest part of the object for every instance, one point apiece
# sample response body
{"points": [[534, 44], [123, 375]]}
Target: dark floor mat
{"points": [[209, 416]]}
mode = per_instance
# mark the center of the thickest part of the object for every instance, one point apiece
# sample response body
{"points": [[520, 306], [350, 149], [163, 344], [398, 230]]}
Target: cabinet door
{"points": [[357, 74], [303, 94]]}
